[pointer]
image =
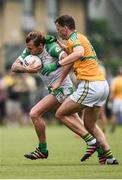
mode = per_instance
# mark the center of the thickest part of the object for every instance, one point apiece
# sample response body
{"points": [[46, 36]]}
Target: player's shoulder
{"points": [[75, 35], [116, 80], [75, 38], [52, 47], [50, 41]]}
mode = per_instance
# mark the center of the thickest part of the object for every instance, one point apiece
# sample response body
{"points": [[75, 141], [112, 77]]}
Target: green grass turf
{"points": [[65, 150]]}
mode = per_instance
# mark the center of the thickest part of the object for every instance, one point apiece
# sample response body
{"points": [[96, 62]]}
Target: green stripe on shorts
{"points": [[85, 92]]}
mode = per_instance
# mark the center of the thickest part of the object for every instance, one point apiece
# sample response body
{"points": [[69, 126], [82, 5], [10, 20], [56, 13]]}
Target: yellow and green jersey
{"points": [[86, 68], [116, 87]]}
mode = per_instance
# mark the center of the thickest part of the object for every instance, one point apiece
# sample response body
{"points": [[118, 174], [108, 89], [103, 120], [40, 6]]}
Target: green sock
{"points": [[89, 139], [100, 151], [108, 154], [43, 147]]}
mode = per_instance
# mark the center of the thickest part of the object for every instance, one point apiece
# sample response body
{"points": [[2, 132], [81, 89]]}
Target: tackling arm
{"points": [[63, 46], [78, 53], [66, 69]]}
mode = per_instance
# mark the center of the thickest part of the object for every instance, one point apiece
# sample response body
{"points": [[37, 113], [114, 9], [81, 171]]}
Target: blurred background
{"points": [[100, 20]]}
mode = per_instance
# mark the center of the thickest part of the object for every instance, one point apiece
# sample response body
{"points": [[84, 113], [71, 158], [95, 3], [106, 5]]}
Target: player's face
{"points": [[33, 49], [62, 31]]}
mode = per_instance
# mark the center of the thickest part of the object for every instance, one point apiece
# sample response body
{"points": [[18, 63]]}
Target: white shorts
{"points": [[91, 94], [117, 106]]}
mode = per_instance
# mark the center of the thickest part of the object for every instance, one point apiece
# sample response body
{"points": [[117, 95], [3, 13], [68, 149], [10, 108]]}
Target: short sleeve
{"points": [[55, 50]]}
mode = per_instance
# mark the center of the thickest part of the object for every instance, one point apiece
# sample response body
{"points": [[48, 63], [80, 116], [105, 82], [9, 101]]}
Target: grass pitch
{"points": [[65, 150]]}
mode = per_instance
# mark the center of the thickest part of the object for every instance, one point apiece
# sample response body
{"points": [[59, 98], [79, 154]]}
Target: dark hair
{"points": [[66, 20], [36, 37]]}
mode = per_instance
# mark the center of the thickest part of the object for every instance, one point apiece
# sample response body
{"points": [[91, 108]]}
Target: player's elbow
{"points": [[13, 68], [80, 54]]}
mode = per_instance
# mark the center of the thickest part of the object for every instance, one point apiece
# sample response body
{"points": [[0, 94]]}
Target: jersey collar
{"points": [[72, 34]]}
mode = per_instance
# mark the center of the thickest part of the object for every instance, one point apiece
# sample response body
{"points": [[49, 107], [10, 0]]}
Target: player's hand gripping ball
{"points": [[33, 61]]}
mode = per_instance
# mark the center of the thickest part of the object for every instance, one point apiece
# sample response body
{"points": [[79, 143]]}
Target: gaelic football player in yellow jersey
{"points": [[102, 120], [92, 90], [116, 98]]}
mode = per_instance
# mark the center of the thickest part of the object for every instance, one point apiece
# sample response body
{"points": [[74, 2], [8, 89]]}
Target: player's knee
{"points": [[58, 114], [33, 114]]}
